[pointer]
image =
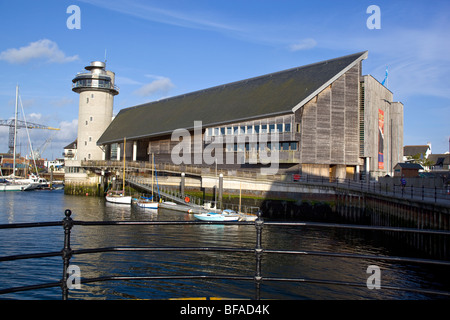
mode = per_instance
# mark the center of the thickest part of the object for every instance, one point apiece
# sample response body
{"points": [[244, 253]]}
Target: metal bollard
{"points": [[258, 252], [66, 252]]}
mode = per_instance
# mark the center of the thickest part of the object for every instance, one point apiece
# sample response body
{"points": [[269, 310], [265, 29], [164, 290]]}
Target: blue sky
{"points": [[165, 48]]}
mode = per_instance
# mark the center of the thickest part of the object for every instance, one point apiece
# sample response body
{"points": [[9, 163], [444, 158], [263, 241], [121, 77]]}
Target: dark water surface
{"points": [[40, 206]]}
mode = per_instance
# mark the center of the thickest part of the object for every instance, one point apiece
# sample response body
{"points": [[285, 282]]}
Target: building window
{"points": [[210, 132], [91, 118], [250, 129], [287, 127], [90, 139], [216, 131], [264, 128], [298, 127], [222, 131], [242, 130], [293, 145], [271, 128], [257, 128], [229, 131], [89, 156], [85, 143], [87, 100], [86, 122], [280, 127], [285, 146]]}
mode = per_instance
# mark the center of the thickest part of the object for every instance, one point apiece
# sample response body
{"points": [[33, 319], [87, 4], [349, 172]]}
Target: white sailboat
{"points": [[149, 203], [119, 196], [13, 183]]}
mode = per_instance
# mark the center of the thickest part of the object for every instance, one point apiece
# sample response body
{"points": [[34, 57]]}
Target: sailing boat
{"points": [[12, 183], [149, 203], [119, 196]]}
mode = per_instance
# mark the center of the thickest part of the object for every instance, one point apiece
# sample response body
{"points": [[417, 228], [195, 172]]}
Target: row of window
{"points": [[250, 129], [95, 84], [280, 146]]}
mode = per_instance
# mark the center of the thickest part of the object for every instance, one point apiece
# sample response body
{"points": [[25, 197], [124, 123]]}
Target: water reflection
{"points": [[39, 206]]}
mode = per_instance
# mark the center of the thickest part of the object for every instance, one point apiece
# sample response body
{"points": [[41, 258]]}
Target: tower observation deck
{"points": [[96, 79]]}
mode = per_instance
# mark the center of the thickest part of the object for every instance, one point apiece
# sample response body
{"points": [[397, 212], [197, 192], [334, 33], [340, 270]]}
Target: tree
{"points": [[420, 159]]}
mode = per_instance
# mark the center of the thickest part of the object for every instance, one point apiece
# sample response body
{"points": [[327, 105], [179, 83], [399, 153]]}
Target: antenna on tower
{"points": [[105, 56]]}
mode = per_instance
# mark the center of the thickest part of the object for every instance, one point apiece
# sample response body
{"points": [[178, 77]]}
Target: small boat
{"points": [[6, 185], [118, 197], [144, 202], [213, 216], [242, 216]]}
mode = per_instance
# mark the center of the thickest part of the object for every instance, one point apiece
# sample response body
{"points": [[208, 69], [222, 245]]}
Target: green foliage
{"points": [[421, 159]]}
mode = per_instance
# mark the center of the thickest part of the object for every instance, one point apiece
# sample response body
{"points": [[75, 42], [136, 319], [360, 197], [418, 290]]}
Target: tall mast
{"points": [[124, 148], [15, 130], [153, 168]]}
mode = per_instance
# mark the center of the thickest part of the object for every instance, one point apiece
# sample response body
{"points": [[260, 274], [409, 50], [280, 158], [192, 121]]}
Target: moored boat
{"points": [[118, 197], [214, 217], [144, 202], [6, 185]]}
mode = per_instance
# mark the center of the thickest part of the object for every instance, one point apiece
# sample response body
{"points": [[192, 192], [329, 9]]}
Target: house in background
{"points": [[422, 151], [408, 170], [70, 151], [441, 162]]}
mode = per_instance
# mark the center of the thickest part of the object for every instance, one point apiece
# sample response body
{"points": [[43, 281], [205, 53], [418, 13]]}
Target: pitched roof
{"points": [[269, 95], [72, 145], [439, 159], [408, 165], [414, 150]]}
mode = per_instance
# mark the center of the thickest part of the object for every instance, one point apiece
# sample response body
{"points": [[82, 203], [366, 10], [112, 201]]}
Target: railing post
{"points": [[258, 252], [66, 252]]}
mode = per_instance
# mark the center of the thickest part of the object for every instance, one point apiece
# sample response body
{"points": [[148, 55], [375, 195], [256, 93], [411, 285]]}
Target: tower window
{"points": [[87, 100], [91, 118]]}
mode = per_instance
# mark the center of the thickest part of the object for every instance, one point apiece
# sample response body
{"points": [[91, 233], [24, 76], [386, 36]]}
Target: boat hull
{"points": [[16, 187], [119, 199], [149, 205], [216, 217]]}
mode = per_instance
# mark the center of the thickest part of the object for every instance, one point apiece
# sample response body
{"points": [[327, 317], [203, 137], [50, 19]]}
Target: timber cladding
{"points": [[329, 132]]}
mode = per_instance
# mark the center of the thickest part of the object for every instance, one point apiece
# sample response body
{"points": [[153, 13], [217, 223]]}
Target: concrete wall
{"points": [[94, 116]]}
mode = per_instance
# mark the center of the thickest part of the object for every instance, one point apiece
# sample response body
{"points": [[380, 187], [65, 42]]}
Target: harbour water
{"points": [[40, 206]]}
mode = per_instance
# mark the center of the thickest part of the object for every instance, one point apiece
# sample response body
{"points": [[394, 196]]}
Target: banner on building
{"points": [[380, 139]]}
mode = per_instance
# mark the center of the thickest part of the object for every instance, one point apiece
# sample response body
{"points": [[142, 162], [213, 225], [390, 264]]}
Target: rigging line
{"points": [[28, 134]]}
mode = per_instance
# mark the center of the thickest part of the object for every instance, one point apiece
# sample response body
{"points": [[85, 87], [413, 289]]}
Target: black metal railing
{"points": [[67, 253]]}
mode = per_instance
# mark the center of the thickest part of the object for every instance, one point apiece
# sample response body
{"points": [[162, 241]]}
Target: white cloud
{"points": [[304, 44], [41, 49], [161, 85]]}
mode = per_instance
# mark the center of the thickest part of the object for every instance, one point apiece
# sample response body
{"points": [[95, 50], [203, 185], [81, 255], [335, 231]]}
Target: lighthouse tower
{"points": [[97, 90]]}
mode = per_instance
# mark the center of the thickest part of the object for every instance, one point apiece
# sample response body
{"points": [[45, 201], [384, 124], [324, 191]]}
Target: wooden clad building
{"points": [[323, 119]]}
